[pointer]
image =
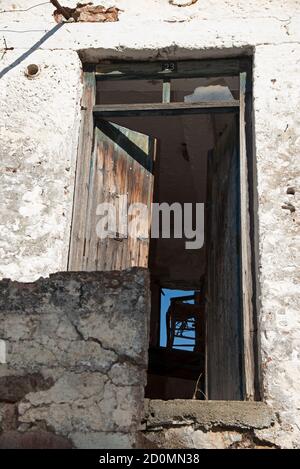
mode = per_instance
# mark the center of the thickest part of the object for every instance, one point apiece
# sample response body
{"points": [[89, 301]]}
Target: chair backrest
{"points": [[184, 310]]}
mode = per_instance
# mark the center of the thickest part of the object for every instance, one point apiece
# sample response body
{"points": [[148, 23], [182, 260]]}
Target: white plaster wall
{"points": [[39, 118], [277, 100], [158, 27], [39, 131]]}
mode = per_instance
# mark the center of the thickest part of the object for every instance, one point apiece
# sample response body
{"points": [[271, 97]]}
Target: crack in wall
{"points": [[85, 394]]}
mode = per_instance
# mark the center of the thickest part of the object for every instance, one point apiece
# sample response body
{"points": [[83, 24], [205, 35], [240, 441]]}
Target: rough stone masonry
{"points": [[76, 360], [39, 127]]}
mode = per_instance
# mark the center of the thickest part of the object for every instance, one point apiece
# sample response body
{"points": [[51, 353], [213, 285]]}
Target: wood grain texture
{"points": [[224, 309], [80, 202], [246, 269], [115, 170], [165, 109], [170, 69]]}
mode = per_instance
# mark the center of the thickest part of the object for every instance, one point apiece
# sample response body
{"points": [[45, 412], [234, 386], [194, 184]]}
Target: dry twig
{"points": [[66, 12], [198, 389], [6, 48]]}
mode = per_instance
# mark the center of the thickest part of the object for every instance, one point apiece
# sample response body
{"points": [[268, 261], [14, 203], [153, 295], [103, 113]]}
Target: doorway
{"points": [[173, 134]]}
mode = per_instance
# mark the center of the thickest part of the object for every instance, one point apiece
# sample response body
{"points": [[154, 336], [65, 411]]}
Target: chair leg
{"points": [[168, 327]]}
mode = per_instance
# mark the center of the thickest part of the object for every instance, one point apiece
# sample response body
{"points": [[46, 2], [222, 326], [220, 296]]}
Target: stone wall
{"points": [[76, 354]]}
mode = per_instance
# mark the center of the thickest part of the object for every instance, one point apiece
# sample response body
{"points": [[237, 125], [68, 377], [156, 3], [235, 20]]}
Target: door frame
{"points": [[165, 70]]}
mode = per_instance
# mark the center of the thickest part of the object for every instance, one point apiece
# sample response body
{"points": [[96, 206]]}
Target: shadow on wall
{"points": [[31, 50]]}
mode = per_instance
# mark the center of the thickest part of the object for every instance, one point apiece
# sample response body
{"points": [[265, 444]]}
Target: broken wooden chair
{"points": [[184, 318]]}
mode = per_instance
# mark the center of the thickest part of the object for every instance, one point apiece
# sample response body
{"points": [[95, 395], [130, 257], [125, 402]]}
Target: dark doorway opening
{"points": [[177, 364], [181, 372]]}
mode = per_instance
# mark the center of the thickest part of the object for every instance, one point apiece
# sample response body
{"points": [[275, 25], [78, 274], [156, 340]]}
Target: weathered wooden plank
{"points": [[128, 145], [224, 373], [165, 109], [172, 69], [95, 197], [77, 239], [115, 172], [247, 289]]}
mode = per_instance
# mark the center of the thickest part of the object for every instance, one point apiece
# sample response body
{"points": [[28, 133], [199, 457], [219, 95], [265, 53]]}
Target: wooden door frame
{"points": [[165, 70]]}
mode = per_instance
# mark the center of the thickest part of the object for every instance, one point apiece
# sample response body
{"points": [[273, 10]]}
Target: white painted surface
{"points": [[40, 117], [38, 131]]}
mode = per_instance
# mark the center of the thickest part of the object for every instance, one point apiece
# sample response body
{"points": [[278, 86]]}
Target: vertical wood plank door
{"points": [[224, 306], [246, 254], [121, 174]]}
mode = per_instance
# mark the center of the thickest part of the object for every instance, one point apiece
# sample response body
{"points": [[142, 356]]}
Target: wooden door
{"points": [[224, 373], [120, 173]]}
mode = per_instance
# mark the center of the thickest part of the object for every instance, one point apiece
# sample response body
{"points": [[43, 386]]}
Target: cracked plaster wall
{"points": [[75, 361], [39, 121]]}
